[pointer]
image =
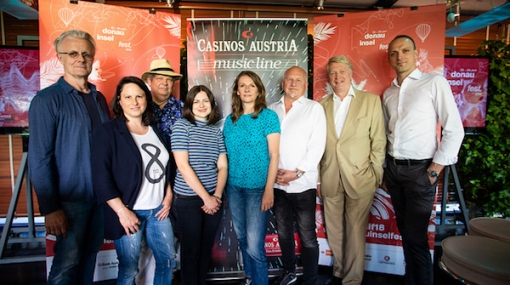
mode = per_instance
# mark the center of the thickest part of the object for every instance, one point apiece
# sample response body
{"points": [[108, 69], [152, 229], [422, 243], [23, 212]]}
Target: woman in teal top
{"points": [[252, 139]]}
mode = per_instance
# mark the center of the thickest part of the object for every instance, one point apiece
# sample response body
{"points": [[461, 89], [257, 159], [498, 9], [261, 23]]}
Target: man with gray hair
{"points": [[302, 143], [351, 169], [62, 118]]}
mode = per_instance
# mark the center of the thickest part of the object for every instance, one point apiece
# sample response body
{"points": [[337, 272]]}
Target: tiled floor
{"points": [[33, 273]]}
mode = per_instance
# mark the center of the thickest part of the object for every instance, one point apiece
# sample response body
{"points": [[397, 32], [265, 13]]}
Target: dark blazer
{"points": [[117, 170]]}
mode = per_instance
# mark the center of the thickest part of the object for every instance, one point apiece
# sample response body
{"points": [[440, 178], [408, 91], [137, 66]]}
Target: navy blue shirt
{"points": [[59, 145]]}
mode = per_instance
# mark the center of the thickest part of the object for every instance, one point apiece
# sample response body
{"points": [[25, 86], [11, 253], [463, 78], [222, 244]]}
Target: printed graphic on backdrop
{"points": [[364, 37], [218, 49], [469, 77], [19, 82], [127, 40]]}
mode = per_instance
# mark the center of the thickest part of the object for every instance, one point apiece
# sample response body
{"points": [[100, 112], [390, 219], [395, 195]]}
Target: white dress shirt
{"points": [[302, 141], [412, 112], [341, 110]]}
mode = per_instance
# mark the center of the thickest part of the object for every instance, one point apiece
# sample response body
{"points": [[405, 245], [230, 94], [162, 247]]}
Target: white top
{"points": [[155, 157], [412, 112], [341, 109], [302, 141]]}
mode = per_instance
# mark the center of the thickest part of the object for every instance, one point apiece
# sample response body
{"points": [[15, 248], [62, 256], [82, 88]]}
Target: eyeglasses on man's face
{"points": [[75, 54]]}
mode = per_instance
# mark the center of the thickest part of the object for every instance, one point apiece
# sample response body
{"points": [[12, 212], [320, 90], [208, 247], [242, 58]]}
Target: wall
{"points": [[13, 27]]}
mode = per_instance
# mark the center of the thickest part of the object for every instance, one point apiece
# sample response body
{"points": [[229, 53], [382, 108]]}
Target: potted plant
{"points": [[484, 160]]}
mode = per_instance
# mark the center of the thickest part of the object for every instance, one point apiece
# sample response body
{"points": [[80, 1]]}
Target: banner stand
{"points": [[6, 232], [444, 230]]}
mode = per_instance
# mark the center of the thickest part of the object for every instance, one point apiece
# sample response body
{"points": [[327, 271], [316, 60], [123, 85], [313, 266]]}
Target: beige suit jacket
{"points": [[357, 157]]}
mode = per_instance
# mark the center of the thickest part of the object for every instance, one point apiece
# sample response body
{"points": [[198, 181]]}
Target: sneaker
{"points": [[246, 281], [287, 278]]}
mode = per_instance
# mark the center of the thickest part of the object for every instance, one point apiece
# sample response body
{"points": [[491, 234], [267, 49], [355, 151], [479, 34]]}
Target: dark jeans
{"points": [[197, 233], [298, 207], [413, 198], [75, 256]]}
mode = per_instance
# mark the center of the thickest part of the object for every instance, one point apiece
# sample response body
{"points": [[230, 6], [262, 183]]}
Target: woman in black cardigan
{"points": [[131, 171]]}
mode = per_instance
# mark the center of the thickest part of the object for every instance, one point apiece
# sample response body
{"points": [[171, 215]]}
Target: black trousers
{"points": [[413, 197], [298, 207], [197, 233]]}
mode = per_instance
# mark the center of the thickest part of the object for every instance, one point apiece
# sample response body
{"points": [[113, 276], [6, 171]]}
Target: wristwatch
{"points": [[432, 173], [299, 173]]}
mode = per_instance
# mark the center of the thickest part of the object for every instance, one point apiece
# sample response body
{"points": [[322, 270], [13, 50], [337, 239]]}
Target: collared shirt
{"points": [[302, 141], [412, 112], [167, 116], [59, 145], [341, 110]]}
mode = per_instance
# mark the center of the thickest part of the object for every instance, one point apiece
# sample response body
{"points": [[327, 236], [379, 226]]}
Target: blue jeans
{"points": [[197, 232], [160, 238], [298, 207], [75, 256], [250, 226]]}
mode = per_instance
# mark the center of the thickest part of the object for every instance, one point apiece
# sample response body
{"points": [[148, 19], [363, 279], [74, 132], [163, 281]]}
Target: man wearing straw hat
{"points": [[161, 79]]}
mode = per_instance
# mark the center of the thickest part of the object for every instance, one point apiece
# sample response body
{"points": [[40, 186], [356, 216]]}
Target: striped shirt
{"points": [[204, 143]]}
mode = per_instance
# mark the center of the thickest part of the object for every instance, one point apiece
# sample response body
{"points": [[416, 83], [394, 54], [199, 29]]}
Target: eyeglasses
{"points": [[74, 54]]}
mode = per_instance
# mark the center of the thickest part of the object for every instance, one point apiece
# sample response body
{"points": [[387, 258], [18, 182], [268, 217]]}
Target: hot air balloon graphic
{"points": [[423, 31], [160, 51], [66, 15]]}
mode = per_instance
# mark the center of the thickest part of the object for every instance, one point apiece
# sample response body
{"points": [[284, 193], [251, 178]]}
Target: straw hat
{"points": [[163, 67]]}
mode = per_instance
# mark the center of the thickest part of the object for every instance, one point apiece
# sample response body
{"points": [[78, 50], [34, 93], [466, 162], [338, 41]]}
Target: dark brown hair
{"points": [[260, 101], [404, 37], [148, 114], [187, 110]]}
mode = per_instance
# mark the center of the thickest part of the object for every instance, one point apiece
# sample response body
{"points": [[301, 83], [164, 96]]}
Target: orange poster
{"points": [[127, 40], [364, 37]]}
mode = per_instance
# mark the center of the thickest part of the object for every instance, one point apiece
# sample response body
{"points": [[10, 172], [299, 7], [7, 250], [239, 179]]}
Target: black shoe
{"points": [[334, 281], [286, 278], [246, 281]]}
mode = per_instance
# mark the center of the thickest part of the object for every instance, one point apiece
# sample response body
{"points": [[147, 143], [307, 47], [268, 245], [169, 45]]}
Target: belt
{"points": [[409, 162]]}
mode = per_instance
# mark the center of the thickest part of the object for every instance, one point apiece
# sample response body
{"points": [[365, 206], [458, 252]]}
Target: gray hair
{"points": [[76, 34], [338, 59]]}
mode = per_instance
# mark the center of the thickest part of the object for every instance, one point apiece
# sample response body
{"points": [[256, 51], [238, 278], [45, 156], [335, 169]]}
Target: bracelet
{"points": [[118, 211], [217, 197]]}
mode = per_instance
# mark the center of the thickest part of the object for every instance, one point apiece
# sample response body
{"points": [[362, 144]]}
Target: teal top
{"points": [[247, 148]]}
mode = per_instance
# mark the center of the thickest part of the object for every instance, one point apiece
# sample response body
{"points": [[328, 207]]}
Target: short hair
{"points": [[260, 101], [338, 59], [118, 112], [76, 34], [187, 110], [404, 37]]}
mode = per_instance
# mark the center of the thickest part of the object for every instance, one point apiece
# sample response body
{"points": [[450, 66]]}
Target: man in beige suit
{"points": [[351, 169]]}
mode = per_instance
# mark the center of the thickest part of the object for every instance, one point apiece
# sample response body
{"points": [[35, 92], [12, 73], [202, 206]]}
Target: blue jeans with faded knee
{"points": [[160, 238], [250, 226]]}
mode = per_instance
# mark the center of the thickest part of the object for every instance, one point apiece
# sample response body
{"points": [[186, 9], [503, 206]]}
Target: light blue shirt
{"points": [[247, 148]]}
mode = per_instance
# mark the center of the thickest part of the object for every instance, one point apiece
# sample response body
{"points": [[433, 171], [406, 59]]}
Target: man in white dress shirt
{"points": [[413, 105], [302, 142]]}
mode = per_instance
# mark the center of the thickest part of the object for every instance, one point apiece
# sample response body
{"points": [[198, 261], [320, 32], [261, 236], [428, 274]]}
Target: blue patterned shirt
{"points": [[166, 117], [247, 148]]}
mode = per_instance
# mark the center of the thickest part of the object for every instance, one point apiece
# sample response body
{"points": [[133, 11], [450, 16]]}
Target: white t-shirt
{"points": [[155, 158]]}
